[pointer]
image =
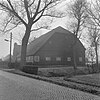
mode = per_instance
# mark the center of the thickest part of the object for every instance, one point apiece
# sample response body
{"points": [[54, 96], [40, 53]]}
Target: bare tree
{"points": [[28, 13], [79, 15], [94, 20], [94, 37], [90, 58], [94, 12], [90, 54]]}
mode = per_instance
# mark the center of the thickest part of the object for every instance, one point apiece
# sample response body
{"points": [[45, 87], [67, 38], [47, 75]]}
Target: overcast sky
{"points": [[5, 46]]}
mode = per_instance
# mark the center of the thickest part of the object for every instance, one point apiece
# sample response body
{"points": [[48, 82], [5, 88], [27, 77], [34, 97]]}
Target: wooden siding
{"points": [[59, 45], [80, 52]]}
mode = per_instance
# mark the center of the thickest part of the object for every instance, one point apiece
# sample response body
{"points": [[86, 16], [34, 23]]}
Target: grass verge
{"points": [[68, 83]]}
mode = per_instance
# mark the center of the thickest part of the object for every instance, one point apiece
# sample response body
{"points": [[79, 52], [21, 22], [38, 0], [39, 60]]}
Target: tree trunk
{"points": [[24, 47], [74, 55], [74, 59], [96, 57]]}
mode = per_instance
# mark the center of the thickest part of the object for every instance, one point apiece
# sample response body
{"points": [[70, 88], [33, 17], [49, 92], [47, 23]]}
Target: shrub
{"points": [[30, 69], [13, 65]]}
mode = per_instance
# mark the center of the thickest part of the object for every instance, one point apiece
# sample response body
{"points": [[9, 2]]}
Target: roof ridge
{"points": [[36, 44], [39, 40]]}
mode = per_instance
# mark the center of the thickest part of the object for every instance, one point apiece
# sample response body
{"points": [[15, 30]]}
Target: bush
{"points": [[13, 65], [30, 69]]}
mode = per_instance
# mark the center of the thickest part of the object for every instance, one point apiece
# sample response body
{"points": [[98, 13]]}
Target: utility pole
{"points": [[10, 46]]}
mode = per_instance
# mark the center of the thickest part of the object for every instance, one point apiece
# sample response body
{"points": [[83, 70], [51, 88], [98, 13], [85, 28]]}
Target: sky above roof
{"points": [[5, 46]]}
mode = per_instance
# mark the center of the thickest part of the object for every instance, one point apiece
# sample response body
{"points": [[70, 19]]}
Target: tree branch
{"points": [[45, 27], [31, 3], [13, 12], [26, 8], [56, 16], [38, 18], [46, 5], [7, 23], [9, 29], [10, 5], [36, 12]]}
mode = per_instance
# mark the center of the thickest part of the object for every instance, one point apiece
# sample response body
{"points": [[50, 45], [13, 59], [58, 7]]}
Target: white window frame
{"points": [[58, 58], [29, 59], [36, 58], [48, 58], [68, 58]]}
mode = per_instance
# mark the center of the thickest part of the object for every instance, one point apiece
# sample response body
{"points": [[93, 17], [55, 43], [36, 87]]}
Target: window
{"points": [[36, 58], [48, 58], [68, 58], [29, 59], [58, 58], [80, 59]]}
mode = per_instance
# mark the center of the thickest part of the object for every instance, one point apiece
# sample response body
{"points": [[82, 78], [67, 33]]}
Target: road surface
{"points": [[16, 87]]}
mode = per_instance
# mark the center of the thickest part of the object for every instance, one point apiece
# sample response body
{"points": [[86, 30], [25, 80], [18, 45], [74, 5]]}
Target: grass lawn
{"points": [[61, 71], [74, 82], [91, 79]]}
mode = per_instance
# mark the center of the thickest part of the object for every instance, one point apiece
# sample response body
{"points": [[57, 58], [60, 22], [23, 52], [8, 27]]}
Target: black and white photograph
{"points": [[49, 49]]}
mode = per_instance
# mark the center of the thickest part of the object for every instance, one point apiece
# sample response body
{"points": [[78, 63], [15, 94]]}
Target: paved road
{"points": [[16, 87]]}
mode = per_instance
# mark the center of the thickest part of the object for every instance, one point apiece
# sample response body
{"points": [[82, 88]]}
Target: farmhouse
{"points": [[55, 48]]}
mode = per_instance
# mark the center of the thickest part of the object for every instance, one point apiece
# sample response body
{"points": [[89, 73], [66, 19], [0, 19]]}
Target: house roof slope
{"points": [[36, 44]]}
